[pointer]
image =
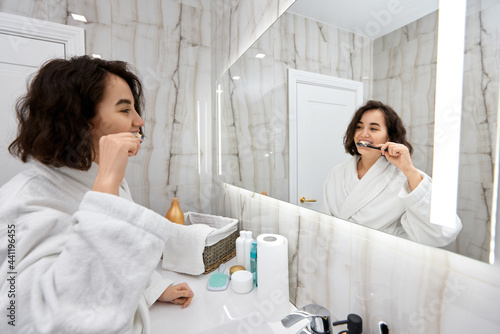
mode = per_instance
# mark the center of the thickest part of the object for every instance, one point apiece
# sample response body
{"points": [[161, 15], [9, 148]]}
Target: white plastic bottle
{"points": [[240, 249], [248, 248]]}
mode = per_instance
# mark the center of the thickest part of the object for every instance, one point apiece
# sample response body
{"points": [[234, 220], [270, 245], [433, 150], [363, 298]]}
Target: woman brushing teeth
{"points": [[379, 186]]}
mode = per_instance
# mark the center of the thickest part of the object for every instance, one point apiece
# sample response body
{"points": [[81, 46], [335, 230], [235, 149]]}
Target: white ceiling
{"points": [[371, 18]]}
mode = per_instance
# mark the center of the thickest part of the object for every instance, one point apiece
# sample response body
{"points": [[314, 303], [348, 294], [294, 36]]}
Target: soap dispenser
{"points": [[175, 214], [240, 249]]}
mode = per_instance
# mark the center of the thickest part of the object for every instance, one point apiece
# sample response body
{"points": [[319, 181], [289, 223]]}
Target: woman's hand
{"points": [[399, 156], [113, 153], [180, 294]]}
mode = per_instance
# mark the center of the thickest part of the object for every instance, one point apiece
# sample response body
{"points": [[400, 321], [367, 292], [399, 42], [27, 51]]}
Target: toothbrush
{"points": [[363, 143], [139, 136]]}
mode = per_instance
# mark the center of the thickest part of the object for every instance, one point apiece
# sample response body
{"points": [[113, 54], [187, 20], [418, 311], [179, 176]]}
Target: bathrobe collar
{"points": [[84, 180], [369, 187]]}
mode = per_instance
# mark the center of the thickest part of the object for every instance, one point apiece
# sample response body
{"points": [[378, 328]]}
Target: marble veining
{"points": [[168, 42], [353, 269]]}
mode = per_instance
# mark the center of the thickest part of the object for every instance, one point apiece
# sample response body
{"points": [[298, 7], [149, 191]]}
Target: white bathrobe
{"points": [[84, 261], [382, 200]]}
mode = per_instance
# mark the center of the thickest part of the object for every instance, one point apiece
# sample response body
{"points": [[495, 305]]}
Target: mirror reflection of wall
{"points": [[479, 127], [398, 68]]}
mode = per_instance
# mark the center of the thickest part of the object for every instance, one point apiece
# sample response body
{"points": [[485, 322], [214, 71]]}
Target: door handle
{"points": [[303, 199]]}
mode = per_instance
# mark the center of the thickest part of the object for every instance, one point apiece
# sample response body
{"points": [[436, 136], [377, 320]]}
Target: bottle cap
{"points": [[235, 268]]}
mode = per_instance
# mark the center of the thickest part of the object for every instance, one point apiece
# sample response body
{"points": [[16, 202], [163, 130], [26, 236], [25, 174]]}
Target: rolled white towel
{"points": [[185, 255], [222, 226]]}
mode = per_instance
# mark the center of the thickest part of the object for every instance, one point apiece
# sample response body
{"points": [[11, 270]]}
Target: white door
{"points": [[26, 44], [322, 111]]}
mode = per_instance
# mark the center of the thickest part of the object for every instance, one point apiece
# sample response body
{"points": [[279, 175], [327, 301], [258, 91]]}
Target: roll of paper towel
{"points": [[272, 276]]}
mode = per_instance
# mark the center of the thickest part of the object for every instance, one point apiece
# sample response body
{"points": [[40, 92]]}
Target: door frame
{"points": [[73, 38], [296, 77]]}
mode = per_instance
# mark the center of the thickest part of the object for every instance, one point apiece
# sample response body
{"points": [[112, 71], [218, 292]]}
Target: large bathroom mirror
{"points": [[390, 48]]}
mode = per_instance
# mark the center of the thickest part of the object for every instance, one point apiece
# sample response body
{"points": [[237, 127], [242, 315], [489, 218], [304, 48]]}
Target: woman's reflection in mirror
{"points": [[379, 187]]}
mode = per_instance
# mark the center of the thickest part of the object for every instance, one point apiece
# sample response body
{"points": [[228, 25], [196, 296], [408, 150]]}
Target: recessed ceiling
{"points": [[370, 18]]}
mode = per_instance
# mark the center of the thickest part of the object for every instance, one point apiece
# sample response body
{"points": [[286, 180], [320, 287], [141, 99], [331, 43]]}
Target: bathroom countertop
{"points": [[208, 309]]}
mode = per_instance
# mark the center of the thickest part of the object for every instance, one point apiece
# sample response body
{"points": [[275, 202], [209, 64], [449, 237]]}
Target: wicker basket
{"points": [[220, 246], [202, 250], [220, 252]]}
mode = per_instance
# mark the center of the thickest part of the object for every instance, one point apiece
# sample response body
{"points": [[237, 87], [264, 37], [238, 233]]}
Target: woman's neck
{"points": [[365, 163]]}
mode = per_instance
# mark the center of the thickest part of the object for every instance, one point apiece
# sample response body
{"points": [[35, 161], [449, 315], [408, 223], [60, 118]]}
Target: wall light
{"points": [[78, 17], [260, 55], [449, 78], [219, 116], [95, 55], [236, 77]]}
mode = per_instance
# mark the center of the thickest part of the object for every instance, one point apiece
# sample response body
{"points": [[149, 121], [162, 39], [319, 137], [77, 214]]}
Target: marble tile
{"points": [[95, 11], [420, 293], [324, 267], [405, 79], [467, 306], [168, 43]]}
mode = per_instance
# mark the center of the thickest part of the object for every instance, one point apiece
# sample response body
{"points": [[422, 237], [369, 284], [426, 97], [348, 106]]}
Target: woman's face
{"points": [[115, 113], [371, 128]]}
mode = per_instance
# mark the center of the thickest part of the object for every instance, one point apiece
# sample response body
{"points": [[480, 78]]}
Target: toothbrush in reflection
{"points": [[367, 144]]}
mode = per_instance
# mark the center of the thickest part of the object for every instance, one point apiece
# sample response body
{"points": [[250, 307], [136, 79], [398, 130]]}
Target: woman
{"points": [[84, 253], [379, 187]]}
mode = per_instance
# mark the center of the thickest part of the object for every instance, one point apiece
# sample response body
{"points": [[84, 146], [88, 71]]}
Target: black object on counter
{"points": [[354, 324]]}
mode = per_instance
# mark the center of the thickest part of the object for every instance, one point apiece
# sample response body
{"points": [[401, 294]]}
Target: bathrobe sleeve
{"points": [[383, 200], [89, 276], [416, 220]]}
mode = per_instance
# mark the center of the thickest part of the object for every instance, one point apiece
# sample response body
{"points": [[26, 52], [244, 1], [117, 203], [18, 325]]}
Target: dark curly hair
{"points": [[394, 124], [55, 114]]}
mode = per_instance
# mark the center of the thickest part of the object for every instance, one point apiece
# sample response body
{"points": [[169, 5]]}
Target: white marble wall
{"points": [[168, 41], [405, 78], [349, 268], [479, 125]]}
